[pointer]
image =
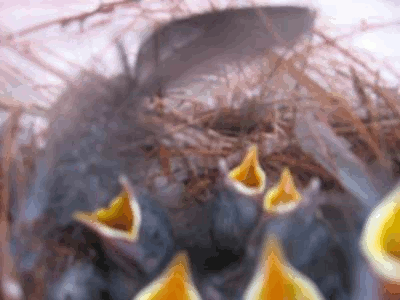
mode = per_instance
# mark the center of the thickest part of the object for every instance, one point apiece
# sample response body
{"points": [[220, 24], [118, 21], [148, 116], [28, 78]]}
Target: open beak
{"points": [[248, 177], [121, 219], [276, 279], [380, 241], [284, 197], [175, 283]]}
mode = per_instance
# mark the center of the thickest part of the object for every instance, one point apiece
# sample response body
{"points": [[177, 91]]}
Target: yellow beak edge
{"points": [[284, 197], [121, 219], [380, 239]]}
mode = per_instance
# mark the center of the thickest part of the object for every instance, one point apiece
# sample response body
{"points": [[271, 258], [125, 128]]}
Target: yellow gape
{"points": [[175, 283], [118, 215], [276, 279], [380, 239], [284, 197], [121, 219], [248, 177]]}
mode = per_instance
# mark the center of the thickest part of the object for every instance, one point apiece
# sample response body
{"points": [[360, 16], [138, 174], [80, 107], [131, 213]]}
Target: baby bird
{"points": [[315, 232], [235, 213], [78, 170], [235, 209]]}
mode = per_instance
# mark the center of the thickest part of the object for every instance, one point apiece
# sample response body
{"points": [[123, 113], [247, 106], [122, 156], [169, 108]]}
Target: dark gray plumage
{"points": [[234, 218], [199, 44], [81, 282], [78, 171], [182, 50]]}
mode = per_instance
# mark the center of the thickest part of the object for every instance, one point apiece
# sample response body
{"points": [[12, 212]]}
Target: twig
{"points": [[103, 8], [366, 28], [331, 42]]}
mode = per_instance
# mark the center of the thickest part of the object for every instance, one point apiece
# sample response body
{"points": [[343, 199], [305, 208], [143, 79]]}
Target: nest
{"points": [[320, 109]]}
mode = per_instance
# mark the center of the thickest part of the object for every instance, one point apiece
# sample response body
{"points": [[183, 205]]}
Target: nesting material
{"points": [[277, 279], [249, 178], [175, 283], [121, 220], [380, 241], [284, 197]]}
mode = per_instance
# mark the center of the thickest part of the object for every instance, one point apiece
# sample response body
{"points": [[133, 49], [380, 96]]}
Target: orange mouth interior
{"points": [[284, 194], [118, 215], [122, 218], [249, 172], [277, 279], [174, 284]]}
